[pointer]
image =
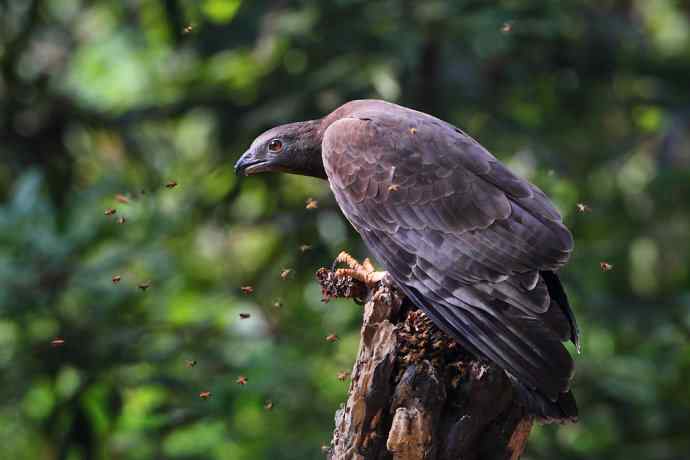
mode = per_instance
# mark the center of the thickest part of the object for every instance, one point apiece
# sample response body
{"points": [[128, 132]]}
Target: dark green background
{"points": [[589, 99]]}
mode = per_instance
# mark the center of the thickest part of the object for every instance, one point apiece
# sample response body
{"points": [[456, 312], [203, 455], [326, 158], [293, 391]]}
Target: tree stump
{"points": [[415, 393]]}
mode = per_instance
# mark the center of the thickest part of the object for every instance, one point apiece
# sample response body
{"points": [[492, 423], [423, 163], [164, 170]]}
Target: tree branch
{"points": [[415, 393]]}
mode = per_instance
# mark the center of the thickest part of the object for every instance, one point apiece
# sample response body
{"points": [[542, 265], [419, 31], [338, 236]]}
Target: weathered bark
{"points": [[415, 394]]}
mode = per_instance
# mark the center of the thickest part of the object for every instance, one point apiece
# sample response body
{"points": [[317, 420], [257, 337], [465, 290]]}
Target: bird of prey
{"points": [[474, 246]]}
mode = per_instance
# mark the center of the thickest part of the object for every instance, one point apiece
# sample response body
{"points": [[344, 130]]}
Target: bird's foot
{"points": [[363, 272]]}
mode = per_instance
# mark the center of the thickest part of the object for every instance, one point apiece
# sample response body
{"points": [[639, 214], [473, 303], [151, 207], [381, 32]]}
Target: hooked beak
{"points": [[248, 164]]}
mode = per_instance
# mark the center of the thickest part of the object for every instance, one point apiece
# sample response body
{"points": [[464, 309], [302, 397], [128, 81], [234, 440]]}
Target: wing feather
{"points": [[467, 240]]}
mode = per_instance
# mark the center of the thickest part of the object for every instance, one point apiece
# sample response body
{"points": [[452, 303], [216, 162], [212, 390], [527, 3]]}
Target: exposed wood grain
{"points": [[415, 394]]}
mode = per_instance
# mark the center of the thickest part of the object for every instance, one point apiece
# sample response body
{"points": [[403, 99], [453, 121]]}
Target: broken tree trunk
{"points": [[415, 394]]}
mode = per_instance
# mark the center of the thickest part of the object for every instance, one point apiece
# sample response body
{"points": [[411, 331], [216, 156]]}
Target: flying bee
{"points": [[121, 198], [312, 203], [241, 380], [581, 207], [145, 285], [205, 394], [247, 289], [285, 273], [171, 184], [268, 405], [331, 337], [244, 315], [116, 279], [605, 266], [343, 375], [57, 342], [110, 211]]}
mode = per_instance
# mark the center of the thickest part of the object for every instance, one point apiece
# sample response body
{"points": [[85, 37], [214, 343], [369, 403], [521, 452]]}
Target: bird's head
{"points": [[293, 148]]}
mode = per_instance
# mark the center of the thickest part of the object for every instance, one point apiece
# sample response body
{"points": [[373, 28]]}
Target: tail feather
{"points": [[563, 410], [557, 294]]}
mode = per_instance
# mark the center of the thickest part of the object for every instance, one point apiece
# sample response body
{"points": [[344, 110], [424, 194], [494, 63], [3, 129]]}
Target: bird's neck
{"points": [[310, 135]]}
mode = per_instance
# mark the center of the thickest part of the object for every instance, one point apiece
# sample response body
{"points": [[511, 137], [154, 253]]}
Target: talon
{"points": [[375, 277], [344, 258], [348, 260], [368, 266], [363, 272], [341, 272]]}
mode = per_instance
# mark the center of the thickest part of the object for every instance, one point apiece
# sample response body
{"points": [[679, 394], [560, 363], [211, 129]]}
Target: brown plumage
{"points": [[471, 244]]}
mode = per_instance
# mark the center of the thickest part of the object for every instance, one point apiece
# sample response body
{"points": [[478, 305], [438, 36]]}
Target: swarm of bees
{"points": [[247, 290]]}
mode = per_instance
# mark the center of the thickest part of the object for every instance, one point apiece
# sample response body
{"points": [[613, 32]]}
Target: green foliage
{"points": [[589, 99]]}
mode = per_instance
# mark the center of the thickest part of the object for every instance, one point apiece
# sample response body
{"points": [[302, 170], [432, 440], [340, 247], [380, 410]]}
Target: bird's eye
{"points": [[275, 145]]}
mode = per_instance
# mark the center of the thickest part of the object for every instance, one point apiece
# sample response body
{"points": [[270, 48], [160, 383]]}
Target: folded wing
{"points": [[470, 243]]}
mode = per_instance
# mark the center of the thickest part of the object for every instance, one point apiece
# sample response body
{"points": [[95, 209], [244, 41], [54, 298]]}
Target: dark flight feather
{"points": [[470, 243]]}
